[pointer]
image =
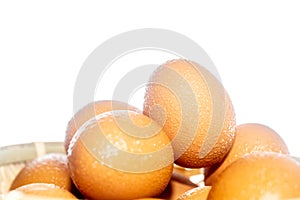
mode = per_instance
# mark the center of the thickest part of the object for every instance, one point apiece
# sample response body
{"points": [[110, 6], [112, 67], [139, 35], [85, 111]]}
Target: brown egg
{"points": [[194, 110], [250, 138], [120, 155], [39, 191], [50, 168], [198, 193], [262, 175], [91, 110]]}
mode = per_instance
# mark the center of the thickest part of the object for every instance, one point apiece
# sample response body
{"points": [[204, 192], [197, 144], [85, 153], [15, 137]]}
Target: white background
{"points": [[255, 46]]}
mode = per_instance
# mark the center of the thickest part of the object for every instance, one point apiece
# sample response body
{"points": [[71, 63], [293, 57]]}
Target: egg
{"points": [[120, 155], [260, 175], [89, 111], [39, 191], [195, 111], [250, 138], [50, 168]]}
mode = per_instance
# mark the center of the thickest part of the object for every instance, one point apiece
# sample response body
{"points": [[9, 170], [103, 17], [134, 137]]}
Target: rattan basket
{"points": [[13, 159]]}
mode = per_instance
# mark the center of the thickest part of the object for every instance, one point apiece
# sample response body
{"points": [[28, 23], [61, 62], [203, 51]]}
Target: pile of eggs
{"points": [[116, 151]]}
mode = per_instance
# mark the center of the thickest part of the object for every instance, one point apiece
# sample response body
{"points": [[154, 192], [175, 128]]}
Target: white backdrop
{"points": [[255, 47]]}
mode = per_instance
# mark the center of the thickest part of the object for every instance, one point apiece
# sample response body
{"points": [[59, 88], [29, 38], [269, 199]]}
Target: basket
{"points": [[13, 159]]}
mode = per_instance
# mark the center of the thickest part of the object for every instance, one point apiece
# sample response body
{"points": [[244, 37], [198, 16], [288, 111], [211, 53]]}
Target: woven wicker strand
{"points": [[7, 175]]}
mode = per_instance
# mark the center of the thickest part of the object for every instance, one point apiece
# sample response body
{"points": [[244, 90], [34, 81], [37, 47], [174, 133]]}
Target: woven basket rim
{"points": [[28, 151]]}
